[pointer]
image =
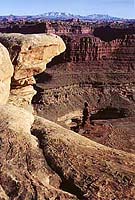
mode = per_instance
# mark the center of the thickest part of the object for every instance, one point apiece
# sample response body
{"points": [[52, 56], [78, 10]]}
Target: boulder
{"points": [[6, 72]]}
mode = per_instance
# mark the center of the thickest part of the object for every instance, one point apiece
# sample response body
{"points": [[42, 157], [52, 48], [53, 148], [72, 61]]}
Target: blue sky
{"points": [[120, 8]]}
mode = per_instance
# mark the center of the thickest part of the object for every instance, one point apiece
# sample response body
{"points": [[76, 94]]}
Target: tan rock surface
{"points": [[93, 170], [29, 55], [6, 72], [24, 172]]}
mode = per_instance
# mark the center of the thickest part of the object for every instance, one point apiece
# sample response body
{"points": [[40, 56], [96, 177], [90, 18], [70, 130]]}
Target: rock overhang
{"points": [[31, 52], [29, 55]]}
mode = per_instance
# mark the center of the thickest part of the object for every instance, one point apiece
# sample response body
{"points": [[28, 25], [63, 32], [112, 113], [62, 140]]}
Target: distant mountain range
{"points": [[61, 16]]}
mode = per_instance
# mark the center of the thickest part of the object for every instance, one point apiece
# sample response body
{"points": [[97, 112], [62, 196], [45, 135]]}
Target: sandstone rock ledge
{"points": [[29, 55], [24, 172]]}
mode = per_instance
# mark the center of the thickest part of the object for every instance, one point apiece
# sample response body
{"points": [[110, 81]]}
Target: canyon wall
{"points": [[90, 51], [70, 97], [57, 27]]}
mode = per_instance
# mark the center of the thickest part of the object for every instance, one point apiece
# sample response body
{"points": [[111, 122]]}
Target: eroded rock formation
{"points": [[20, 176], [91, 170], [91, 53], [42, 160], [29, 55]]}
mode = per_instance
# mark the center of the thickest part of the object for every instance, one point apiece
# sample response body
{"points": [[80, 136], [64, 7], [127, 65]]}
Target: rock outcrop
{"points": [[29, 55]]}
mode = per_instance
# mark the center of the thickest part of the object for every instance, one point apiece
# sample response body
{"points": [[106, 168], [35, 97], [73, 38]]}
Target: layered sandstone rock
{"points": [[66, 92], [89, 52], [29, 55], [6, 71]]}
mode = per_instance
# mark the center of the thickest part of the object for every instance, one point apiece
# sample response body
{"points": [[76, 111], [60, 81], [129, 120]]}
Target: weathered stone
{"points": [[91, 170], [24, 172], [30, 53], [6, 72], [3, 195]]}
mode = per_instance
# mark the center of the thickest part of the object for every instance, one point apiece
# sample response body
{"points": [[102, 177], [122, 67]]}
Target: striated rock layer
{"points": [[89, 52]]}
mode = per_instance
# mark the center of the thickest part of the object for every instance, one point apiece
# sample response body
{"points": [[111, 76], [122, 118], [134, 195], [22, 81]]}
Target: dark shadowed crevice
{"points": [[35, 191], [109, 113], [37, 99], [43, 77], [68, 186]]}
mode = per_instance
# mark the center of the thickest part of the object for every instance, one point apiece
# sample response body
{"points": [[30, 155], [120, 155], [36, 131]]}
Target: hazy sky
{"points": [[120, 8]]}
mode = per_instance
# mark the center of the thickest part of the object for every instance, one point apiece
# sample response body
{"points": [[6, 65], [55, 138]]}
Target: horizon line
{"points": [[26, 15]]}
